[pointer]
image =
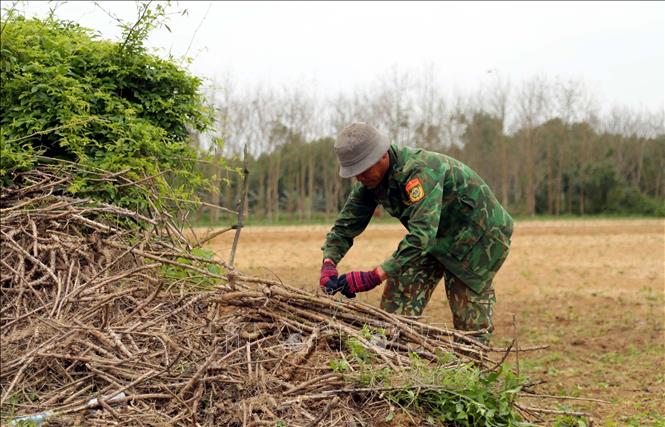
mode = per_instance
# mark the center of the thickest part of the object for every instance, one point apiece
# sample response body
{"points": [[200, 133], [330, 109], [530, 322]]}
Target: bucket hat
{"points": [[358, 147]]}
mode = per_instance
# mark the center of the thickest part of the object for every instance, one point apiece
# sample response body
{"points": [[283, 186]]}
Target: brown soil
{"points": [[592, 290]]}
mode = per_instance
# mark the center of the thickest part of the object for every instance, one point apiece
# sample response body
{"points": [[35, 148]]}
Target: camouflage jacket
{"points": [[448, 210]]}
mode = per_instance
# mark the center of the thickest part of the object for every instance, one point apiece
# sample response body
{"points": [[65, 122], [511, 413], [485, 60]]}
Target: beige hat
{"points": [[358, 147]]}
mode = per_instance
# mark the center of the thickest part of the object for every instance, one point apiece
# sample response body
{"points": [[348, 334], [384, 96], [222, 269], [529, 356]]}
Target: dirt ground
{"points": [[590, 289]]}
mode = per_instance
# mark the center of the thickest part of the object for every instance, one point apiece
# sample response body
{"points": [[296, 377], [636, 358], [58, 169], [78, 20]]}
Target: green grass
{"points": [[286, 219], [569, 217], [436, 393], [321, 219]]}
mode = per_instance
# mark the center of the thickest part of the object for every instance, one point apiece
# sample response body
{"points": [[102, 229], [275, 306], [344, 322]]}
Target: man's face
{"points": [[374, 175]]}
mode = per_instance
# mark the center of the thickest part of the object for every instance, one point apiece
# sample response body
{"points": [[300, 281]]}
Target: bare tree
{"points": [[498, 99], [430, 112], [391, 105], [532, 104]]}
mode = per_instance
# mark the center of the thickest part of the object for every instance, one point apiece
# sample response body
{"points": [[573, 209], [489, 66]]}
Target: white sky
{"points": [[618, 48]]}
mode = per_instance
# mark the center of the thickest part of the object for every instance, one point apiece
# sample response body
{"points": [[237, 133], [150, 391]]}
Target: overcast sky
{"points": [[618, 48]]}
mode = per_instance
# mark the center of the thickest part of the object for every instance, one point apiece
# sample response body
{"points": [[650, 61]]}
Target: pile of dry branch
{"points": [[106, 323]]}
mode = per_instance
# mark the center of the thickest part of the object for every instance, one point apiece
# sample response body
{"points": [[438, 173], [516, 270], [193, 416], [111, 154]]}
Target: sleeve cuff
{"points": [[391, 267], [334, 257]]}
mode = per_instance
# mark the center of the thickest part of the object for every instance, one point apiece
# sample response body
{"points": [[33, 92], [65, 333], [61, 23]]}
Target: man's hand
{"points": [[329, 282], [360, 281]]}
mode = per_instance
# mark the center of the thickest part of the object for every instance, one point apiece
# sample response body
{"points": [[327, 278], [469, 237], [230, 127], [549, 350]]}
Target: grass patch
{"points": [[319, 218], [443, 392]]}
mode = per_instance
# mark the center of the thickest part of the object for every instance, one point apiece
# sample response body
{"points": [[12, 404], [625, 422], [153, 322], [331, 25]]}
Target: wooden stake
{"points": [[241, 208]]}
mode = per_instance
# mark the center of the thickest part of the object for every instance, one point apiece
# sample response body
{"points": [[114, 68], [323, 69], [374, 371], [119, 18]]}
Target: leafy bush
{"points": [[442, 392], [629, 200], [460, 396], [608, 192], [69, 95]]}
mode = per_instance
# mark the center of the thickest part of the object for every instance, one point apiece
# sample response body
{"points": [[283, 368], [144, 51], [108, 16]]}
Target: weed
{"points": [[358, 351], [569, 421], [458, 394], [612, 357], [461, 395], [186, 279], [339, 365]]}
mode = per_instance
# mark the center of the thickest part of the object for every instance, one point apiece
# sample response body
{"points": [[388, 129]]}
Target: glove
{"points": [[328, 280], [359, 281], [347, 293]]}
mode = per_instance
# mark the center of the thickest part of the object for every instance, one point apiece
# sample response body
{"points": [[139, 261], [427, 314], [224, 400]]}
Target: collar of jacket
{"points": [[394, 175]]}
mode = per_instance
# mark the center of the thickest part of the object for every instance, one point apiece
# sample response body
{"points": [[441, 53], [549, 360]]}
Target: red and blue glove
{"points": [[329, 282], [329, 275], [359, 281]]}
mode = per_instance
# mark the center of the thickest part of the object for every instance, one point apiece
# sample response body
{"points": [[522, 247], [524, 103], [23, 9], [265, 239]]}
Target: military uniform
{"points": [[457, 229]]}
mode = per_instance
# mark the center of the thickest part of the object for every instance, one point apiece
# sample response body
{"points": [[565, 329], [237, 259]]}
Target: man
{"points": [[456, 229]]}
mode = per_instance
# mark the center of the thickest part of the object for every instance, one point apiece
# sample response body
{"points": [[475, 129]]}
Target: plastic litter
{"points": [[40, 418]]}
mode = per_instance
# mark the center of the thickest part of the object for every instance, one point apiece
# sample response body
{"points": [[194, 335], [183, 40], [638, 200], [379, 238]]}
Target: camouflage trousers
{"points": [[409, 293]]}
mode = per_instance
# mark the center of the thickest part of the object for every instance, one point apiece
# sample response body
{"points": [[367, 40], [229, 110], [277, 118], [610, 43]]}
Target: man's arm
{"points": [[351, 221], [424, 213]]}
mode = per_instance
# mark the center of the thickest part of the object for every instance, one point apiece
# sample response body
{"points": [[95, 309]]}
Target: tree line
{"points": [[546, 146]]}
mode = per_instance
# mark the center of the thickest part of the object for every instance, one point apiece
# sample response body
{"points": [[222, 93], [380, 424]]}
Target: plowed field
{"points": [[591, 289]]}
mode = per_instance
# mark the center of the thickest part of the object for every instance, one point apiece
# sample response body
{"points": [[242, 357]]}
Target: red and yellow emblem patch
{"points": [[415, 190]]}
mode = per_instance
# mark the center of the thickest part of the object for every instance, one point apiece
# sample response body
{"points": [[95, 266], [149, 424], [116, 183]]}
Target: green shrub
{"points": [[460, 395], [628, 200], [441, 392], [69, 95]]}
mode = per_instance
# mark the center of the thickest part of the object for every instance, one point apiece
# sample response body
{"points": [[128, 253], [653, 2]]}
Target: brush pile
{"points": [[111, 317]]}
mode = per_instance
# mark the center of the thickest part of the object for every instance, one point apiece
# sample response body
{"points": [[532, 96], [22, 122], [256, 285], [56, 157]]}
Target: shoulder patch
{"points": [[415, 190]]}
